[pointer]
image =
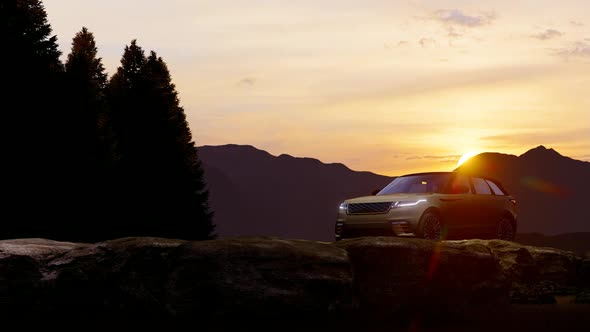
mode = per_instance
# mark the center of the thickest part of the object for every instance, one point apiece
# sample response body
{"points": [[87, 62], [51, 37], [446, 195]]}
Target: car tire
{"points": [[505, 229], [431, 226]]}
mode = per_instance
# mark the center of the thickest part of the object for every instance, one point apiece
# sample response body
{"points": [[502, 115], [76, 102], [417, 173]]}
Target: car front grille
{"points": [[369, 208]]}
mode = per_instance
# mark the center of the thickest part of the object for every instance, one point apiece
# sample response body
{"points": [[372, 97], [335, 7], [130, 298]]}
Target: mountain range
{"points": [[255, 193], [552, 190]]}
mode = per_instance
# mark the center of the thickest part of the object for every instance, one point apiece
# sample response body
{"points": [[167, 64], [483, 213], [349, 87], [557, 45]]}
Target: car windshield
{"points": [[415, 184]]}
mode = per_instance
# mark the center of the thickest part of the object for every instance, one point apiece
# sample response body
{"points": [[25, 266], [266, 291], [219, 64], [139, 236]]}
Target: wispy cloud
{"points": [[577, 24], [540, 137], [401, 43], [547, 34], [459, 18], [453, 33], [246, 82], [580, 49], [445, 159], [426, 42]]}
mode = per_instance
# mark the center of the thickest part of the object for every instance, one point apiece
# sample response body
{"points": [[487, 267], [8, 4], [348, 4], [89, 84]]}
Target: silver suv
{"points": [[434, 206]]}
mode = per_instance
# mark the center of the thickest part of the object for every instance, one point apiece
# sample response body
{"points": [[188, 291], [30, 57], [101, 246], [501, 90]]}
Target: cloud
{"points": [[535, 138], [425, 42], [579, 49], [459, 18], [401, 43], [453, 33], [444, 159], [547, 34], [246, 82], [577, 24]]}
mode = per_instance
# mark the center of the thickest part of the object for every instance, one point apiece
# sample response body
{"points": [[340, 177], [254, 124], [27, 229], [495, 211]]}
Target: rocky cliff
{"points": [[271, 277]]}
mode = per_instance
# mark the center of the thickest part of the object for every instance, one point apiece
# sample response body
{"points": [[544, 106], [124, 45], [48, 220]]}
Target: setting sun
{"points": [[466, 157]]}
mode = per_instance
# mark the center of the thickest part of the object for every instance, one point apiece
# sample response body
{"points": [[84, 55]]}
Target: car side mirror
{"points": [[459, 189]]}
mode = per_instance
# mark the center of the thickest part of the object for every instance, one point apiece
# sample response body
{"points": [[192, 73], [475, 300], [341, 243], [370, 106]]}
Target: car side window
{"points": [[460, 185], [481, 187], [495, 188]]}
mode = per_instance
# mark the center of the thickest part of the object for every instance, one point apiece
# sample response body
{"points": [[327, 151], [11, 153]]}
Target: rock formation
{"points": [[271, 277]]}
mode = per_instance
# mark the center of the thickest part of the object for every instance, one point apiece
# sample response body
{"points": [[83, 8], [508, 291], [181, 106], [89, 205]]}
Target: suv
{"points": [[434, 206]]}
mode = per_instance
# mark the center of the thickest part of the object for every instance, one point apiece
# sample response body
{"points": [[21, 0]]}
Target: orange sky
{"points": [[386, 86]]}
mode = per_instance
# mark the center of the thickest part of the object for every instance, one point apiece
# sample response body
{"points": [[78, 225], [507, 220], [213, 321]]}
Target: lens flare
{"points": [[466, 157], [434, 261], [544, 186]]}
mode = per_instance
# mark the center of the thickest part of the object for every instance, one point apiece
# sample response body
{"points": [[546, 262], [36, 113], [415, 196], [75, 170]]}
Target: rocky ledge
{"points": [[271, 277]]}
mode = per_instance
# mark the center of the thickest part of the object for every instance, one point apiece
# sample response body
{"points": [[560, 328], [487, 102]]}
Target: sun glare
{"points": [[466, 157]]}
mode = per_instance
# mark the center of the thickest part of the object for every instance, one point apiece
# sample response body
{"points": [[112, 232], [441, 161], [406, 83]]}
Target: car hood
{"points": [[387, 198]]}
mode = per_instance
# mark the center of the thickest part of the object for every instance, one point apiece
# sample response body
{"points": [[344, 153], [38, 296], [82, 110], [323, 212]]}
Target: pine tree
{"points": [[163, 190], [87, 80], [33, 125], [92, 144], [183, 171]]}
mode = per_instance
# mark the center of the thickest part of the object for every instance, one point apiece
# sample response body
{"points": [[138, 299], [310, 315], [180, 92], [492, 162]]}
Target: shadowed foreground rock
{"points": [[405, 276], [268, 277]]}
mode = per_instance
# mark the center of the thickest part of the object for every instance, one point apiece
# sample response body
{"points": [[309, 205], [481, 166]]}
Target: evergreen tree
{"points": [[163, 187], [92, 143], [188, 200], [33, 125], [87, 80]]}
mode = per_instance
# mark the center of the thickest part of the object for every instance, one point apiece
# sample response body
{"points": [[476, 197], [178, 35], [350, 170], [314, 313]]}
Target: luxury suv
{"points": [[434, 206]]}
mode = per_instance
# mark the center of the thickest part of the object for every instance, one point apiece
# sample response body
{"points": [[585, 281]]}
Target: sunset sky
{"points": [[385, 86]]}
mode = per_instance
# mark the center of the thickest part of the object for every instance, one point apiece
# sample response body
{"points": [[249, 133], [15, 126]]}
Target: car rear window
{"points": [[481, 187], [495, 188]]}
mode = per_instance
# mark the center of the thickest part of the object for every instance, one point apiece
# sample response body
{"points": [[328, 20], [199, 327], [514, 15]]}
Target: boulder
{"points": [[264, 277], [407, 276], [163, 278], [538, 274]]}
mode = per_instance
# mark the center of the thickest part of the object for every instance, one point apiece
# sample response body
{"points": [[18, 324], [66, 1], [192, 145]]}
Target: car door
{"points": [[483, 204], [497, 203], [456, 207]]}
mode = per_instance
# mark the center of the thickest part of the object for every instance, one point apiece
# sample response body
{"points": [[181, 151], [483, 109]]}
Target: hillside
{"points": [[552, 190], [255, 193], [576, 242]]}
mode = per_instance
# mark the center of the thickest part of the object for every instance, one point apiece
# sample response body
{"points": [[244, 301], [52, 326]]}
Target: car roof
{"points": [[455, 172], [498, 183], [428, 173]]}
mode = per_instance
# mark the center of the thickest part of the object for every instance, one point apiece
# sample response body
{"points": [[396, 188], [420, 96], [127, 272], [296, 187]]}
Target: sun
{"points": [[466, 157]]}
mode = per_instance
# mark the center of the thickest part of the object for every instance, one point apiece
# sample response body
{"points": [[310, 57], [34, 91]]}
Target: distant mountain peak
{"points": [[233, 148], [540, 152]]}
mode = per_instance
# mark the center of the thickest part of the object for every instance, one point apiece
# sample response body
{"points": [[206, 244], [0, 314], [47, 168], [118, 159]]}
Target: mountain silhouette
{"points": [[255, 193], [576, 242], [552, 190]]}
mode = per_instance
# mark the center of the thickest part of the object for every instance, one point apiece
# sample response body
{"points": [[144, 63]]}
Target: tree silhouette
{"points": [[33, 122], [163, 190], [87, 81], [86, 159], [92, 144]]}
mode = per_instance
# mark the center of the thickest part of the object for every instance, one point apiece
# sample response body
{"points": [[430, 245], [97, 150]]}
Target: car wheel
{"points": [[506, 229], [431, 226]]}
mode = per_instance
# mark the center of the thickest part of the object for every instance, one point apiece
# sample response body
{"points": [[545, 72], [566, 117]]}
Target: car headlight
{"points": [[399, 204], [343, 207]]}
